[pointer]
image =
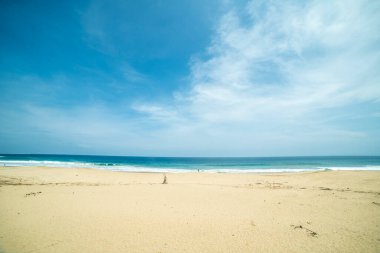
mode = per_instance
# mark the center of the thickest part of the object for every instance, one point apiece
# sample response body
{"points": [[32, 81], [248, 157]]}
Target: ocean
{"points": [[194, 164]]}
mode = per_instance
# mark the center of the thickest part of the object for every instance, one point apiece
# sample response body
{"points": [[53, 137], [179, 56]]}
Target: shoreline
{"points": [[194, 164], [210, 171], [90, 210]]}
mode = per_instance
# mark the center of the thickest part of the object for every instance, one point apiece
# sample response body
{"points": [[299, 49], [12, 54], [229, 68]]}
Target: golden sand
{"points": [[85, 210]]}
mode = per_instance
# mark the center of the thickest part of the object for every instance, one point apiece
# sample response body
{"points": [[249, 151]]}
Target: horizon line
{"points": [[148, 156]]}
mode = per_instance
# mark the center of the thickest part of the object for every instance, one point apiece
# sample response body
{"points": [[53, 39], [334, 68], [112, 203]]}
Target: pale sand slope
{"points": [[83, 210]]}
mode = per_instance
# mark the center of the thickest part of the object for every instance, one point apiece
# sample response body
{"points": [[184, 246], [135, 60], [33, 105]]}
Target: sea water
{"points": [[194, 164]]}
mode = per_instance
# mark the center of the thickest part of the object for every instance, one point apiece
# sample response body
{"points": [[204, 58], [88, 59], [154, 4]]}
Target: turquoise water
{"points": [[189, 164]]}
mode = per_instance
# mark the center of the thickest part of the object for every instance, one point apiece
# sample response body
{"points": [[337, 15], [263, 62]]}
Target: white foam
{"points": [[148, 169], [369, 167], [131, 168], [258, 170], [16, 163], [179, 170]]}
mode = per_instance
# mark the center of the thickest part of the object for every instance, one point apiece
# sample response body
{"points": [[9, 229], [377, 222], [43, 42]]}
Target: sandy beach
{"points": [[86, 210]]}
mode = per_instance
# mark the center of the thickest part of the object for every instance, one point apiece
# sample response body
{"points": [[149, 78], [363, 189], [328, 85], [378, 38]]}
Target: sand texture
{"points": [[84, 210]]}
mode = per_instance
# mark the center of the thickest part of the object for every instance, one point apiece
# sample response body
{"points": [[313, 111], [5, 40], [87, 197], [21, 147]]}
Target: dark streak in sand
{"points": [[32, 194], [309, 231]]}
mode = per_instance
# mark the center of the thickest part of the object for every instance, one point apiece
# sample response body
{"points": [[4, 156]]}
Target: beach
{"points": [[87, 210]]}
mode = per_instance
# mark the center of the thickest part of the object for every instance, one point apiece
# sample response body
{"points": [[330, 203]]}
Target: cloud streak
{"points": [[287, 64], [278, 78]]}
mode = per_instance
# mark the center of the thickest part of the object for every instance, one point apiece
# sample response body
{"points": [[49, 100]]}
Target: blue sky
{"points": [[185, 78]]}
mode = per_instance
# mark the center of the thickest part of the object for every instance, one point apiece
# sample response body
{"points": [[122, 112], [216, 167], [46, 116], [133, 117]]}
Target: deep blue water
{"points": [[186, 164]]}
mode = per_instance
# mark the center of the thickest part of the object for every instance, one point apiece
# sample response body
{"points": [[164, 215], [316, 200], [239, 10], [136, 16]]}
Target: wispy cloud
{"points": [[278, 78], [286, 64]]}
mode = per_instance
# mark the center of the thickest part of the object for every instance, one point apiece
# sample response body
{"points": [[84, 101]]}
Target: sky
{"points": [[190, 78]]}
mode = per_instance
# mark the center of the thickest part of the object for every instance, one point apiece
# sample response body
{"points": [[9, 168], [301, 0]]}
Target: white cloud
{"points": [[322, 54], [273, 83], [285, 65]]}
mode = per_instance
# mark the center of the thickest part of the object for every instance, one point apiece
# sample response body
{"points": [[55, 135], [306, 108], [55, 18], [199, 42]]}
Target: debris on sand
{"points": [[309, 231], [32, 194]]}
